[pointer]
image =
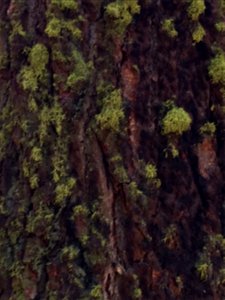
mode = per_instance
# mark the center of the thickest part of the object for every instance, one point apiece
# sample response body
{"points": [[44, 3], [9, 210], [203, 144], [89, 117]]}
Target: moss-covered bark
{"points": [[112, 150]]}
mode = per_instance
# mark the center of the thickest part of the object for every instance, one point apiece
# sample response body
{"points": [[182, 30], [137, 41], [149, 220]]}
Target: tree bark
{"points": [[106, 192]]}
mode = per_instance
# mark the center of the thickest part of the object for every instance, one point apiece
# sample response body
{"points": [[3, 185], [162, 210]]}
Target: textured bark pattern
{"points": [[79, 218]]}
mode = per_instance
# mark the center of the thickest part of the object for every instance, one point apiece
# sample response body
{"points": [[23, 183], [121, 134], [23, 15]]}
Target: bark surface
{"points": [[106, 192]]}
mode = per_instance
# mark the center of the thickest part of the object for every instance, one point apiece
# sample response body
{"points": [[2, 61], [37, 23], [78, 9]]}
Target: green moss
{"points": [[80, 210], [195, 9], [171, 149], [36, 71], [134, 191], [40, 219], [169, 28], [38, 59], [217, 68], [96, 292], [16, 29], [171, 237], [209, 128], [28, 79], [65, 4], [70, 253], [111, 113], [198, 33], [81, 70], [207, 266], [137, 294], [54, 27], [151, 175], [57, 116], [34, 181], [176, 121], [119, 170], [150, 171], [220, 26], [36, 154], [64, 190], [204, 270], [120, 14]]}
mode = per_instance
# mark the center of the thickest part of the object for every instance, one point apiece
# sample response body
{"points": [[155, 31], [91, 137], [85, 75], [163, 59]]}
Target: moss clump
{"points": [[220, 26], [151, 175], [195, 9], [81, 70], [80, 210], [112, 112], [176, 121], [38, 58], [169, 28], [64, 190], [137, 294], [207, 266], [150, 171], [217, 68], [198, 33], [121, 14], [36, 71], [70, 253], [209, 128], [54, 27], [36, 154], [96, 292], [65, 4]]}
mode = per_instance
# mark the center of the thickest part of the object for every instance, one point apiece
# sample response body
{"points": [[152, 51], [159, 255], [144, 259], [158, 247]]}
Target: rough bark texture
{"points": [[95, 201]]}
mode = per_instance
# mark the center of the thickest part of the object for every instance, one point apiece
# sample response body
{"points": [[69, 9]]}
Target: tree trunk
{"points": [[112, 149]]}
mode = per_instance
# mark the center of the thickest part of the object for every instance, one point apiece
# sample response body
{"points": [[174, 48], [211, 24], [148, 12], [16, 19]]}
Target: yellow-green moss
{"points": [[176, 121], [36, 71], [195, 9], [64, 190], [80, 210], [220, 26], [169, 28], [36, 154], [217, 68], [38, 58], [198, 33], [81, 70], [70, 253], [150, 171], [209, 128], [65, 4], [207, 267], [56, 26], [121, 14], [96, 292], [151, 175], [111, 113]]}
